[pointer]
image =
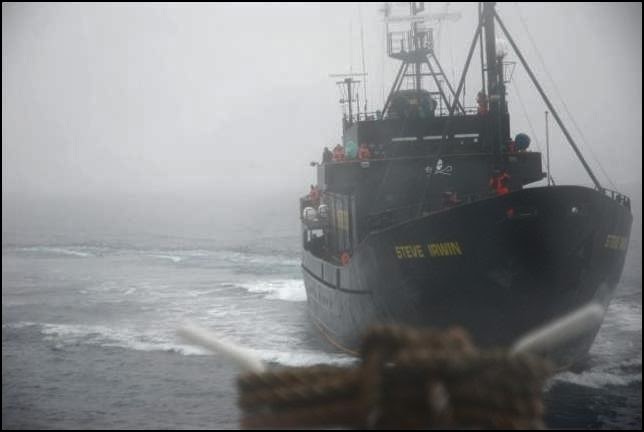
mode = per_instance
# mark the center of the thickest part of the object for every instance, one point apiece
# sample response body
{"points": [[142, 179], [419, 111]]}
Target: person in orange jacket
{"points": [[499, 182]]}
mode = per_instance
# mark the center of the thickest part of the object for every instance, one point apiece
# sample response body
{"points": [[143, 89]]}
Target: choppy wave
{"points": [[19, 325], [173, 258], [62, 335], [268, 275], [616, 355], [176, 255], [599, 379], [253, 258], [279, 289], [82, 252], [625, 316]]}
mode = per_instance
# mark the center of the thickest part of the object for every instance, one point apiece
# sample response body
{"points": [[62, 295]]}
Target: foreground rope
{"points": [[406, 378]]}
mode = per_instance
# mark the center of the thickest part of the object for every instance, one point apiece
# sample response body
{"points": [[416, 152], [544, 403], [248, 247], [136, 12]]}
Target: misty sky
{"points": [[101, 99]]}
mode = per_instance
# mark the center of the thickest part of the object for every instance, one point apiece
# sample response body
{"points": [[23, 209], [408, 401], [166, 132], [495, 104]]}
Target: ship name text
{"points": [[415, 251], [616, 242]]}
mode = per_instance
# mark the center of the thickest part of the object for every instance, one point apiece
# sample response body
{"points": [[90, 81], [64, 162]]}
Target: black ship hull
{"points": [[498, 267]]}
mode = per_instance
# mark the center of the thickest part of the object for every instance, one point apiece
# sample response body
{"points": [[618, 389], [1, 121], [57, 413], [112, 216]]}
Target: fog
{"points": [[172, 118]]}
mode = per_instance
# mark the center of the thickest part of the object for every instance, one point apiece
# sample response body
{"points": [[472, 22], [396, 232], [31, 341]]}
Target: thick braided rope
{"points": [[407, 378]]}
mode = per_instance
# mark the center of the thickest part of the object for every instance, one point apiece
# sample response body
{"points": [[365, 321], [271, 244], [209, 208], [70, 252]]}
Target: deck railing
{"points": [[441, 111], [618, 197]]}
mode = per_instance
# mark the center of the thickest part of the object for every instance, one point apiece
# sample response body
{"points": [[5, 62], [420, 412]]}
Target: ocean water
{"points": [[89, 335]]}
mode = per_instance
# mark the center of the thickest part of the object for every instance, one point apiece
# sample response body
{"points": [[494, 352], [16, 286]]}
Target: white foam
{"points": [[19, 325], [278, 289], [174, 255], [598, 379], [188, 252], [129, 338], [57, 250], [250, 258], [303, 357], [62, 335], [625, 316], [173, 258], [616, 355], [178, 255]]}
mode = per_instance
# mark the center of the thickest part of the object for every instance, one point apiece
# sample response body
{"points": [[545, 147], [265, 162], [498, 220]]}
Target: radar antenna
{"points": [[415, 47]]}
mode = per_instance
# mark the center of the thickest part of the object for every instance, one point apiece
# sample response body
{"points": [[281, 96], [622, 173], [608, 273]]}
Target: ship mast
{"points": [[348, 99], [494, 84], [415, 48]]}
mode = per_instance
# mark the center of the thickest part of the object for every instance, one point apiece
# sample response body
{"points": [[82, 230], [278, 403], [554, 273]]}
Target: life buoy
{"points": [[345, 258]]}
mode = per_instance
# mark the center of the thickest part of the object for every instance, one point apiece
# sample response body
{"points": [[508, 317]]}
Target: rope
{"points": [[561, 99], [364, 77], [406, 378], [382, 65]]}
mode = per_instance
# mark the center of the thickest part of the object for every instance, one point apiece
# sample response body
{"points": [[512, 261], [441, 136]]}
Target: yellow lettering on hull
{"points": [[444, 249], [416, 251], [409, 251], [616, 242]]}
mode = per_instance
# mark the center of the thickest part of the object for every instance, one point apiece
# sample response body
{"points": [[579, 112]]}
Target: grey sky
{"points": [[214, 98]]}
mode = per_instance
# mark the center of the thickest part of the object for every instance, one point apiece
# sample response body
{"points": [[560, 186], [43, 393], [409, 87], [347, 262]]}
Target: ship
{"points": [[428, 213]]}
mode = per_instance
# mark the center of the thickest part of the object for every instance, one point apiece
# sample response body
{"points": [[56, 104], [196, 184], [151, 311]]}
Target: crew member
{"points": [[314, 196], [512, 146], [364, 152], [499, 182], [338, 153]]}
